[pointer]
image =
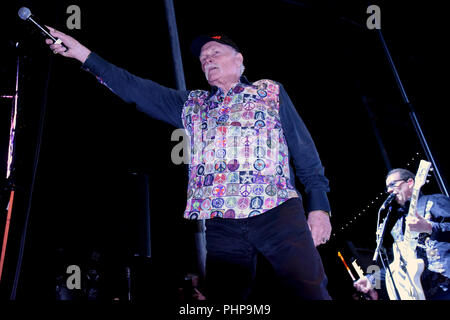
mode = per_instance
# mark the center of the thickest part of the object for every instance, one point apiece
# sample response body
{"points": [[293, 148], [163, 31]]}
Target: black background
{"points": [[85, 196]]}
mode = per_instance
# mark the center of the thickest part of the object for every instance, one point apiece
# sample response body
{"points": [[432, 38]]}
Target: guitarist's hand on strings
{"points": [[365, 286], [419, 224]]}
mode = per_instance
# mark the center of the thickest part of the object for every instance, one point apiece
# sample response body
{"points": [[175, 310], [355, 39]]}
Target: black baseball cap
{"points": [[200, 41]]}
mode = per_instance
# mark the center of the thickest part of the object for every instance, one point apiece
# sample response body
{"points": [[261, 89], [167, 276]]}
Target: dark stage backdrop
{"points": [[95, 149]]}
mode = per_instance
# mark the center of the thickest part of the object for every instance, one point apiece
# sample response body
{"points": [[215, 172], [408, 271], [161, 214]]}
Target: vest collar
{"points": [[218, 91]]}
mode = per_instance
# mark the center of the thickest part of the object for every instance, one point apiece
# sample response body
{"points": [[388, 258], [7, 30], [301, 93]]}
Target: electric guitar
{"points": [[406, 268]]}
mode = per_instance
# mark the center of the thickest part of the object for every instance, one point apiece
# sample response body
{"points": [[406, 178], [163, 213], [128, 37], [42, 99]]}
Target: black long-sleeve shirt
{"points": [[166, 104]]}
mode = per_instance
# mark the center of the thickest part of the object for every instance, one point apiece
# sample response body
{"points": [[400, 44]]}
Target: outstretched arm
{"points": [[155, 100]]}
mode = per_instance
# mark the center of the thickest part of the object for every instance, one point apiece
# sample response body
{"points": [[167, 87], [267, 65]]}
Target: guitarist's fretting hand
{"points": [[419, 224]]}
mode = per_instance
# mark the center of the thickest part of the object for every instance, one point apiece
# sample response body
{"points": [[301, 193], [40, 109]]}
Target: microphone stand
{"points": [[413, 117], [380, 237], [412, 113], [380, 233]]}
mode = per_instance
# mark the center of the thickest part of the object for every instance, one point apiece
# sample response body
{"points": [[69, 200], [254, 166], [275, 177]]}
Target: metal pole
{"points": [[147, 247], [200, 239], [175, 44], [412, 113], [414, 118]]}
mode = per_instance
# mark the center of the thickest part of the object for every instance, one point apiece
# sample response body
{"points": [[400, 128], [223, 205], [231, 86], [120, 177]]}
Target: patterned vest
{"points": [[239, 162]]}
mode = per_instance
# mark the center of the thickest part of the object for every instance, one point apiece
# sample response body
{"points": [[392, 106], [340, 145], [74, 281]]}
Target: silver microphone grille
{"points": [[24, 13]]}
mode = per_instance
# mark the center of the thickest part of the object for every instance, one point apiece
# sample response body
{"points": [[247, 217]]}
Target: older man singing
{"points": [[247, 145]]}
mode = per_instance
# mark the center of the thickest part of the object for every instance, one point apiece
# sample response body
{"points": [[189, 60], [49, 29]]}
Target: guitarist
{"points": [[432, 221]]}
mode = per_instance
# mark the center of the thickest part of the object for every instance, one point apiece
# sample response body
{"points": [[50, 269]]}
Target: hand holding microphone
{"points": [[75, 49], [25, 14], [59, 42]]}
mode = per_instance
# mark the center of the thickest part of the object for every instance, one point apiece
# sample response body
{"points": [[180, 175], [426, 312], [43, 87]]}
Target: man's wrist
{"points": [[327, 213], [83, 55], [323, 211]]}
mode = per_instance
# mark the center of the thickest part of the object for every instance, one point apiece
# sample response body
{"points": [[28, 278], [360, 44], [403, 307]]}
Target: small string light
{"points": [[380, 195]]}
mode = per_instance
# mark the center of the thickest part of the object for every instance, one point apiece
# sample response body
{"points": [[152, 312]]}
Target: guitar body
{"points": [[406, 271]]}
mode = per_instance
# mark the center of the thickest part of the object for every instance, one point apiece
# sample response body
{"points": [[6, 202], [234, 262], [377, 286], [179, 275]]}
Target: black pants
{"points": [[282, 236]]}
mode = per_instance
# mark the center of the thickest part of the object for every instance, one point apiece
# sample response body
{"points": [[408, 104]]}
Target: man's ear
{"points": [[240, 57]]}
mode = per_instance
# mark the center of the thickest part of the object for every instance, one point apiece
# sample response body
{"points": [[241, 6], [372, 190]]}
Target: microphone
{"points": [[25, 14], [388, 201]]}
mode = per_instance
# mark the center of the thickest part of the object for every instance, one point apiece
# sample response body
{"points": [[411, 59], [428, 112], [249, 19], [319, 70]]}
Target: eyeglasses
{"points": [[393, 184]]}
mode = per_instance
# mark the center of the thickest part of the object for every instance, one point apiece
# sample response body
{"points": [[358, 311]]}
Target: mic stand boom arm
{"points": [[414, 118], [380, 234]]}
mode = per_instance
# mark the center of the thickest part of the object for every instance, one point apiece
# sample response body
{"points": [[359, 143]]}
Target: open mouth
{"points": [[209, 70]]}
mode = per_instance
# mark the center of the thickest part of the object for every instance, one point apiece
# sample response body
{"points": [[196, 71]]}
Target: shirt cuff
{"points": [[94, 64], [318, 200]]}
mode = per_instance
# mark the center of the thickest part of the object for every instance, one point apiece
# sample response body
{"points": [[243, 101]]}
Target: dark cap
{"points": [[200, 41]]}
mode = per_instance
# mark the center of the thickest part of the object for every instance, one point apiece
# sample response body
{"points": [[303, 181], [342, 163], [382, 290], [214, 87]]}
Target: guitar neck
{"points": [[412, 235], [413, 203]]}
